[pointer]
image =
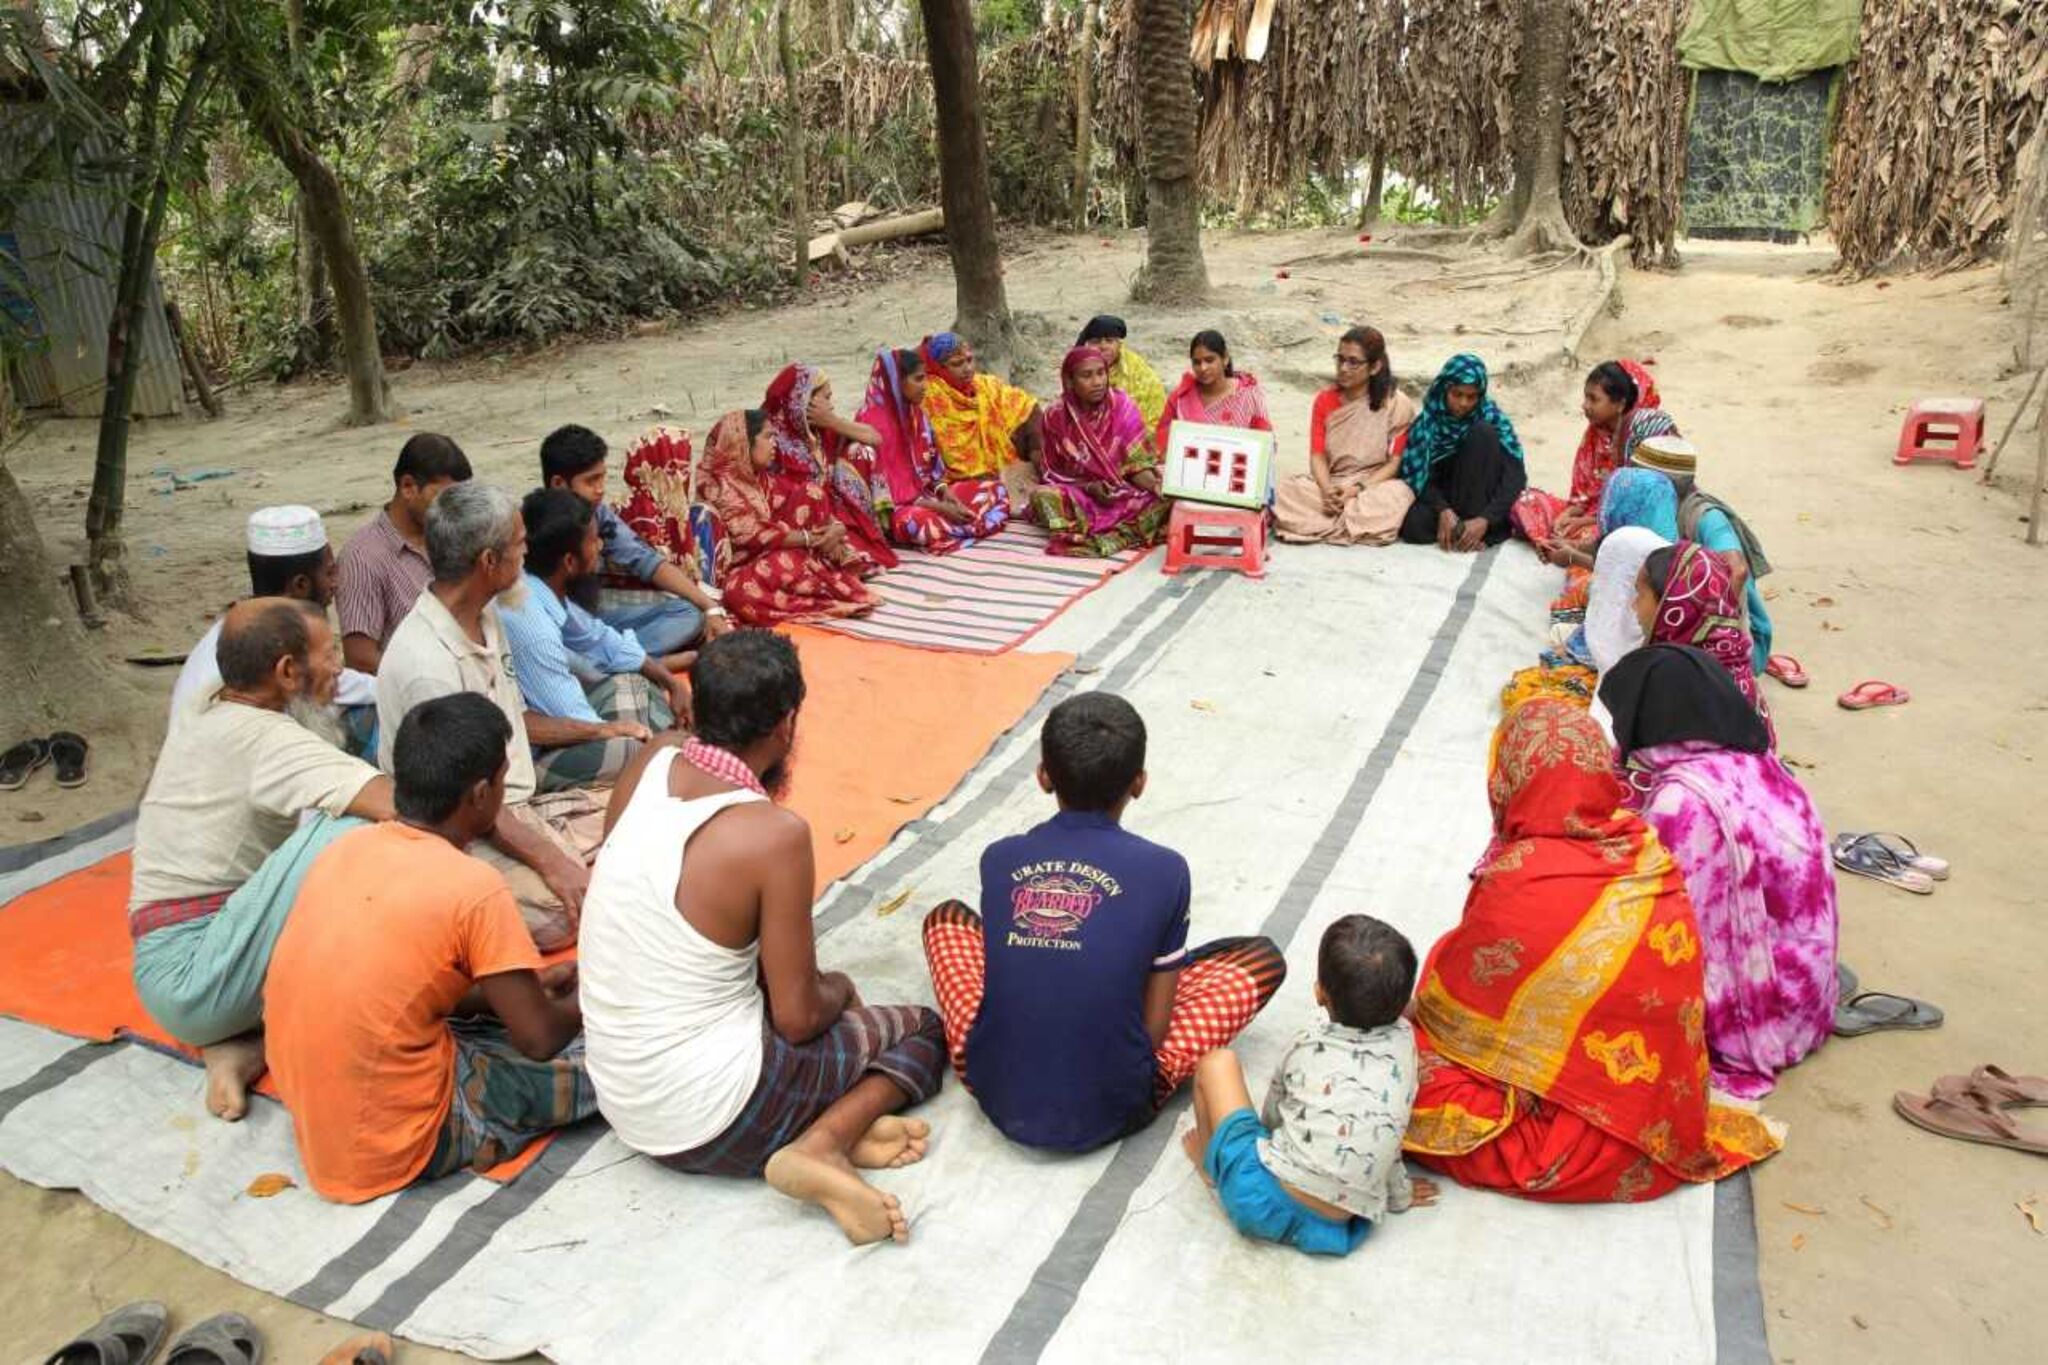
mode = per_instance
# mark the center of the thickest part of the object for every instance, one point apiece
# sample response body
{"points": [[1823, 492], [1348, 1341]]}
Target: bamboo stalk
{"points": [[1991, 464]]}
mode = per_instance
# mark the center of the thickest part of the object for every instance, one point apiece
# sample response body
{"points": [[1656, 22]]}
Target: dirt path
{"points": [[1792, 387]]}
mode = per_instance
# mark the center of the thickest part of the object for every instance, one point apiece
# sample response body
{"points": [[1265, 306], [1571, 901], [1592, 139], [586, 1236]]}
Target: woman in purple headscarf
{"points": [[1101, 490], [1686, 596]]}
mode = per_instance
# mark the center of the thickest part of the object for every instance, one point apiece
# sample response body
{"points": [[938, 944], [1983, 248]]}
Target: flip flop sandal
{"points": [[1880, 864], [1970, 1119], [223, 1339], [1788, 670], [68, 752], [1881, 1012], [1845, 981], [1865, 695], [127, 1336], [1994, 1086], [17, 763], [1901, 848], [371, 1348]]}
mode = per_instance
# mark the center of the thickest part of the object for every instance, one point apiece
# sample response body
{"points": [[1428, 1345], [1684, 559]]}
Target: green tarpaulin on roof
{"points": [[1775, 40]]}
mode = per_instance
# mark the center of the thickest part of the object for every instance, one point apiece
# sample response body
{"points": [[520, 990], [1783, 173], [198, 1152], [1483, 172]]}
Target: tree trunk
{"points": [[799, 192], [1174, 270], [1369, 216], [1537, 204], [141, 225], [50, 677], [316, 306], [982, 307], [1084, 111], [327, 218]]}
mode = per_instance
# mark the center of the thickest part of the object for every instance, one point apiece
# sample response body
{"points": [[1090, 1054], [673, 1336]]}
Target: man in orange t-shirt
{"points": [[445, 1043]]}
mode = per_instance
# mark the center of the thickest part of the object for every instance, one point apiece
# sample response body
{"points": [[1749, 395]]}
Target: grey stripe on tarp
{"points": [[854, 897], [393, 1228], [54, 1073], [477, 1224], [1739, 1335], [59, 857], [14, 857], [1056, 1284]]}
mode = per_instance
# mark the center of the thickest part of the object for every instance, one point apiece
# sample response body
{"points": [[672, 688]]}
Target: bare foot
{"points": [[1197, 1150], [231, 1068], [891, 1142], [828, 1179]]}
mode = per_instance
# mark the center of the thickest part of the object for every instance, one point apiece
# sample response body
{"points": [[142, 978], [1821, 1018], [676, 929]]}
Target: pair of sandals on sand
{"points": [[66, 750], [1980, 1107], [1891, 859], [131, 1334], [1864, 696]]}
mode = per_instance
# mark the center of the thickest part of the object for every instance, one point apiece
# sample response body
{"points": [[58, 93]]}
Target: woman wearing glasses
{"points": [[1351, 495]]}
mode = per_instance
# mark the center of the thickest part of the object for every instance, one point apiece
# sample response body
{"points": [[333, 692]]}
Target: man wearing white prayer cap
{"points": [[289, 556]]}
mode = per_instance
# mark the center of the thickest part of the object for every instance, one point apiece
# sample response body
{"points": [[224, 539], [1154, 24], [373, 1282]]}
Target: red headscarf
{"points": [[1597, 455]]}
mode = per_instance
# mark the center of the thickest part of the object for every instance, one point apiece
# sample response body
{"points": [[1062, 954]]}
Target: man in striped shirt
{"points": [[383, 567]]}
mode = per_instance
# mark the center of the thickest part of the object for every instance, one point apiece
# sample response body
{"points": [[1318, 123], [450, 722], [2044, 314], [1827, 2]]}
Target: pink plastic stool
{"points": [[1956, 423], [1204, 537]]}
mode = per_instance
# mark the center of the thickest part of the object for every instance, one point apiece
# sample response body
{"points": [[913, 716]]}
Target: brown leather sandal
{"points": [[1969, 1116], [1997, 1087]]}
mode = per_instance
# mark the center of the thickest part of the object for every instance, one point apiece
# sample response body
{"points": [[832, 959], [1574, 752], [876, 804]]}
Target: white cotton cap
{"points": [[278, 532]]}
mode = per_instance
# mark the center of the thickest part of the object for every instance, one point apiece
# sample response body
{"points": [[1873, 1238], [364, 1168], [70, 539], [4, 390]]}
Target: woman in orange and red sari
{"points": [[823, 457], [1622, 409], [1561, 1027], [785, 562], [917, 502]]}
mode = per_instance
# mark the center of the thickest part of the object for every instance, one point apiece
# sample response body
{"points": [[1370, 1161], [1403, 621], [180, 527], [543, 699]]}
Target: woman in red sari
{"points": [[1622, 409], [786, 563], [1213, 391], [1101, 492], [915, 500], [821, 456], [1561, 1027]]}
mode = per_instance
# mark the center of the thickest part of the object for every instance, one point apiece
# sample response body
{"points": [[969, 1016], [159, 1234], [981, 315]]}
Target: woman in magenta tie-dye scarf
{"points": [[1754, 855], [1687, 596]]}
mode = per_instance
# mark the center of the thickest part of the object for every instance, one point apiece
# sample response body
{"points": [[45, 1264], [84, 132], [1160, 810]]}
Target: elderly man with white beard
{"points": [[454, 641], [220, 842]]}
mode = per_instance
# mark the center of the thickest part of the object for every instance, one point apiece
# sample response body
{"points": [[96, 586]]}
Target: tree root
{"points": [[1542, 232]]}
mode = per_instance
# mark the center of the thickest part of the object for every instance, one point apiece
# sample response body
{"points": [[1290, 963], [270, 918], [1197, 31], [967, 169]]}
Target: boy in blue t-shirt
{"points": [[1073, 1005]]}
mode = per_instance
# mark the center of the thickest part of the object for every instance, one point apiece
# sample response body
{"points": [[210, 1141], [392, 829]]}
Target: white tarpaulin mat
{"points": [[1318, 745]]}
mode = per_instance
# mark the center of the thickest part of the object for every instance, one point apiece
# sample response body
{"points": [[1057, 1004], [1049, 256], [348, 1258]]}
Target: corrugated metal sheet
{"points": [[69, 238]]}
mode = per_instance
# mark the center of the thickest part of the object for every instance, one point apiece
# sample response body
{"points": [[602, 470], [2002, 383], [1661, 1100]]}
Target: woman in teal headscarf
{"points": [[1464, 462]]}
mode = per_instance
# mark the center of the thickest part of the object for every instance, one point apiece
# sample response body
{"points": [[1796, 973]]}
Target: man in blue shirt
{"points": [[1704, 518], [581, 736], [672, 611], [1073, 1006]]}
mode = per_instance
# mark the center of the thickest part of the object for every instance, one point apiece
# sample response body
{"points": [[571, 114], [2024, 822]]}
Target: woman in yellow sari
{"points": [[986, 429], [1561, 1027], [1128, 370]]}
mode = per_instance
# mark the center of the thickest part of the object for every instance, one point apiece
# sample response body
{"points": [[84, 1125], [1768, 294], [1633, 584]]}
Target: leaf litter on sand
{"points": [[2030, 1210], [1810, 1210], [1884, 1218], [895, 902], [269, 1185]]}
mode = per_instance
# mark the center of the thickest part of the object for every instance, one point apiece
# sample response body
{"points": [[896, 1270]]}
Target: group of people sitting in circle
{"points": [[499, 759]]}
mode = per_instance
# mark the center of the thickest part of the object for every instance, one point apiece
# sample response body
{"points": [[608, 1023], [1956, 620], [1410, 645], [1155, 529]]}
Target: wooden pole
{"points": [[799, 195], [1084, 111], [2040, 486], [1992, 464]]}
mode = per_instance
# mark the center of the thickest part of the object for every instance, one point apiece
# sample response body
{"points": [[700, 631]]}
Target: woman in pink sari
{"points": [[1686, 595], [916, 504], [1101, 490], [1213, 391], [1698, 764], [822, 457]]}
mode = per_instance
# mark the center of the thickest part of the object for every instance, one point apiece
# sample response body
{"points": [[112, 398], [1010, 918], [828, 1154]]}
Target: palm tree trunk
{"points": [[982, 306], [1174, 269], [1537, 206]]}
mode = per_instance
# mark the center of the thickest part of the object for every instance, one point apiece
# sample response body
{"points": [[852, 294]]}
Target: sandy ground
{"points": [[1877, 1239]]}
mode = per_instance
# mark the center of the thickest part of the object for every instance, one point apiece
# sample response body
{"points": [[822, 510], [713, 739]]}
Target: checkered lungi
{"points": [[1222, 988], [504, 1099], [624, 696], [905, 1043]]}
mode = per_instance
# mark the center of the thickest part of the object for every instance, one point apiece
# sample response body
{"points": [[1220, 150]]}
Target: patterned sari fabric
{"points": [[1599, 455], [1243, 406], [657, 504], [1562, 1025], [907, 469], [975, 424], [766, 580], [1700, 608], [1089, 501], [1755, 860], [811, 464], [1140, 382]]}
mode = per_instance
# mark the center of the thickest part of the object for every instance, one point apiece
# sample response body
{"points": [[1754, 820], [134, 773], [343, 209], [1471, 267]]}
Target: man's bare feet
{"points": [[826, 1178], [231, 1068], [890, 1142]]}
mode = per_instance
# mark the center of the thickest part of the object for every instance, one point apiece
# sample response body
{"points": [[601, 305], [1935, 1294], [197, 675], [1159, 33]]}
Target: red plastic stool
{"points": [[1956, 423], [1201, 536]]}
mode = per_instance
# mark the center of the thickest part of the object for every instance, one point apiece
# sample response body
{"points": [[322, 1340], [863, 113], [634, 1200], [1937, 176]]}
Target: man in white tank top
{"points": [[715, 1043]]}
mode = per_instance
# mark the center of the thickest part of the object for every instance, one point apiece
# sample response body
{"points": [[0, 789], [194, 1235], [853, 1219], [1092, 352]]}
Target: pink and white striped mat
{"points": [[987, 598]]}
